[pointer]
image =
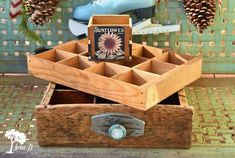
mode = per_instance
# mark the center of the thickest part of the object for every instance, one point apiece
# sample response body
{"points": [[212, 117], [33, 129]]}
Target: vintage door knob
{"points": [[117, 132]]}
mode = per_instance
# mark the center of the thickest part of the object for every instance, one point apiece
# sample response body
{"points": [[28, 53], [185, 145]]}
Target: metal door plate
{"points": [[101, 124]]}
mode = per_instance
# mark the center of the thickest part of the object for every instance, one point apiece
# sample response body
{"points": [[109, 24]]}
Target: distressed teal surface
{"points": [[217, 44]]}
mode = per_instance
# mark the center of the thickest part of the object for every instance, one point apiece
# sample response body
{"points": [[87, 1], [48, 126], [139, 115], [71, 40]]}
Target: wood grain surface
{"points": [[64, 119], [153, 75]]}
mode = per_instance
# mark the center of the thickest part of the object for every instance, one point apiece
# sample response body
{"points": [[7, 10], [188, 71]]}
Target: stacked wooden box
{"points": [[123, 103], [148, 89]]}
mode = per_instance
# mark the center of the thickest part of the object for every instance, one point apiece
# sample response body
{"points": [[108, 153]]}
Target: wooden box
{"points": [[110, 37], [64, 118], [152, 76]]}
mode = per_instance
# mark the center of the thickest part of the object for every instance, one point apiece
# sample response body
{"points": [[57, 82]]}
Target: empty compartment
{"points": [[73, 47], [99, 100], [144, 52], [187, 56], [156, 67], [135, 61], [136, 77], [171, 57], [109, 20], [62, 87], [78, 62], [66, 95], [171, 100], [107, 69], [54, 55], [70, 96]]}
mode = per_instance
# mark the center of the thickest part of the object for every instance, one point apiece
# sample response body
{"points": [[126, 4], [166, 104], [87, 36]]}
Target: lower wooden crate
{"points": [[64, 119]]}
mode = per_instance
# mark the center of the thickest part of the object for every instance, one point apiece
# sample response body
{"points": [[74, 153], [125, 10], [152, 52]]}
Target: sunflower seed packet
{"points": [[110, 38], [110, 44]]}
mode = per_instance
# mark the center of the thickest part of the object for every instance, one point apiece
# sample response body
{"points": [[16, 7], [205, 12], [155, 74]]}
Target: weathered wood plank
{"points": [[61, 123]]}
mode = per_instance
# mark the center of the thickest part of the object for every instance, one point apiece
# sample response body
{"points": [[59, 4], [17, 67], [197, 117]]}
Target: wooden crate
{"points": [[110, 37], [64, 119], [151, 77]]}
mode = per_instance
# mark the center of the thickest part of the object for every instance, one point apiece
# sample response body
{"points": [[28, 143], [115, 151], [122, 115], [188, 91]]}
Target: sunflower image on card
{"points": [[109, 43]]}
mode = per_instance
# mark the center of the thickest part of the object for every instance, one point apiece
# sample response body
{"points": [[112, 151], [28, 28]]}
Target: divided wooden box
{"points": [[110, 37], [152, 76], [64, 118]]}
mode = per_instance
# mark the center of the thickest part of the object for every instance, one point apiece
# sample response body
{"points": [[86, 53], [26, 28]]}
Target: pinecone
{"points": [[200, 12], [40, 11]]}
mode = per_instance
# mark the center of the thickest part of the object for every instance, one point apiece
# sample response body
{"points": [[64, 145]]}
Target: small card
{"points": [[109, 43], [110, 38]]}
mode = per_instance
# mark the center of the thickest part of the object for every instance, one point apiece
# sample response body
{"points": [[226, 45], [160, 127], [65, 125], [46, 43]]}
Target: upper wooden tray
{"points": [[152, 76]]}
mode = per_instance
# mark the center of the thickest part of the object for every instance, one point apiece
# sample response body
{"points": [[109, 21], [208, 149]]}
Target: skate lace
{"points": [[96, 2]]}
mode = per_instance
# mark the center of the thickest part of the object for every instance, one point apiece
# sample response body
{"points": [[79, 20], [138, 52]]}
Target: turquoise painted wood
{"points": [[217, 44]]}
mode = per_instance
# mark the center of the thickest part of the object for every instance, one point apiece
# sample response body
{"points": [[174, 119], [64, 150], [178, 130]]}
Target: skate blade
{"points": [[146, 28]]}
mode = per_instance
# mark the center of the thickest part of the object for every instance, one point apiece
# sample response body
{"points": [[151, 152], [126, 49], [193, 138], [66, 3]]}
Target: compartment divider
{"points": [[107, 69], [84, 54], [135, 61], [77, 62], [143, 52], [171, 57], [164, 57], [63, 54], [73, 47], [187, 57], [153, 50], [136, 66], [48, 55], [180, 57], [65, 60], [96, 69], [95, 99], [156, 67], [54, 55], [136, 77], [166, 63], [148, 75]]}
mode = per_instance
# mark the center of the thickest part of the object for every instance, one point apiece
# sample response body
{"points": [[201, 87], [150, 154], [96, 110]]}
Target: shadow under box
{"points": [[66, 95], [70, 96]]}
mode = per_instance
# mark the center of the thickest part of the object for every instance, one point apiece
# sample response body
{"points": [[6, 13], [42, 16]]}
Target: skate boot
{"points": [[142, 9]]}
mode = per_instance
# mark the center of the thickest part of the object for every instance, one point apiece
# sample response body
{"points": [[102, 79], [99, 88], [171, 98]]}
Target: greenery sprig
{"points": [[24, 27]]}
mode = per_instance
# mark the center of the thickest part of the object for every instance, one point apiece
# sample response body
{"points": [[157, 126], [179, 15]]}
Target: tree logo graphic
{"points": [[15, 137]]}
